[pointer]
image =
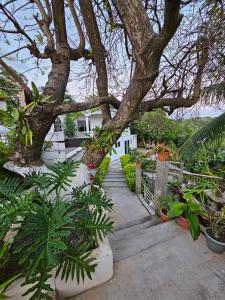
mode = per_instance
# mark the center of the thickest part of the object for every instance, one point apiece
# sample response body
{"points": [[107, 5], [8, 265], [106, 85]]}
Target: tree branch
{"points": [[81, 46], [203, 49], [98, 52], [96, 102], [18, 79]]}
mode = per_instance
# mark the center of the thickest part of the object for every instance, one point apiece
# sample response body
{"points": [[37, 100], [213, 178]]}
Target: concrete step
{"points": [[114, 184], [114, 176], [114, 179], [143, 239], [124, 232]]}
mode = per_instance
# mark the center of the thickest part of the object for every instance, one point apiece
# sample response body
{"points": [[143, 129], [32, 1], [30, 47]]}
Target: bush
{"points": [[130, 175], [125, 159], [70, 127], [102, 170]]}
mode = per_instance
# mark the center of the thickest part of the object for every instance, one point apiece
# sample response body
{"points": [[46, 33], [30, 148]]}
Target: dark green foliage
{"points": [[102, 170], [209, 135], [70, 127], [53, 232]]}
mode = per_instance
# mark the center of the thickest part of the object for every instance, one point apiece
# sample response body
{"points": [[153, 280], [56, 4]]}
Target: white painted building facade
{"points": [[89, 120]]}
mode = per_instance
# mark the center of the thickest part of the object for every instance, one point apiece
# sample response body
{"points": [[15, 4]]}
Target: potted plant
{"points": [[51, 233], [3, 95], [165, 204], [187, 214], [215, 233], [162, 151]]}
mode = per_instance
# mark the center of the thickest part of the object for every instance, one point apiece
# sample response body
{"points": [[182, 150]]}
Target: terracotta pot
{"points": [[163, 215], [163, 156], [183, 222]]}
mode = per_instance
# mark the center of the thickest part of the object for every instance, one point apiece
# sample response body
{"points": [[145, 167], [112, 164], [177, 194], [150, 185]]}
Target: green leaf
{"points": [[176, 210], [15, 114], [5, 284], [35, 91], [194, 226]]}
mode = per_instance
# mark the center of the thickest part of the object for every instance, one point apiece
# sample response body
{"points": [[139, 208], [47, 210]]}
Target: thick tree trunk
{"points": [[30, 155]]}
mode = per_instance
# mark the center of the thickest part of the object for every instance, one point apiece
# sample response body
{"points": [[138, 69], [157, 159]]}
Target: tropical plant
{"points": [[209, 136], [217, 224], [189, 209], [70, 127], [102, 141], [51, 231]]}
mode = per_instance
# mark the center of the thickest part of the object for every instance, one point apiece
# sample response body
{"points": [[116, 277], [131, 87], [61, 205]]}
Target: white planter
{"points": [[103, 272]]}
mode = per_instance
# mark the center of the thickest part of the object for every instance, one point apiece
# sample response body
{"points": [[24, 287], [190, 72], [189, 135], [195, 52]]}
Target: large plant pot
{"points": [[183, 222], [163, 156], [103, 272], [163, 215], [213, 244]]}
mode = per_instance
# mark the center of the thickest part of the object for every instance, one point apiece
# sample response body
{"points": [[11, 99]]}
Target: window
{"points": [[81, 124], [117, 145]]}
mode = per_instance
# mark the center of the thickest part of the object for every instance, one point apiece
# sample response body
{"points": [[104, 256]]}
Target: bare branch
{"points": [[78, 26], [17, 78], [82, 106], [98, 52]]}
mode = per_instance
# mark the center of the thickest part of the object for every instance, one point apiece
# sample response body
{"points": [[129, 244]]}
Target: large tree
{"points": [[164, 45]]}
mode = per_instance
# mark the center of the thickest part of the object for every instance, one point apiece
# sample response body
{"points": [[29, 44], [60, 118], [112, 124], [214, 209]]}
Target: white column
{"points": [[87, 124]]}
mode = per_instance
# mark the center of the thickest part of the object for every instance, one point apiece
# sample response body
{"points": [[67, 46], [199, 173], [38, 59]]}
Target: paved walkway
{"points": [[157, 262], [127, 208]]}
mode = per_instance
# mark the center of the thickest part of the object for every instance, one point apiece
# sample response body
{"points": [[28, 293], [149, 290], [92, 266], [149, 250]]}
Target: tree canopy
{"points": [[134, 55]]}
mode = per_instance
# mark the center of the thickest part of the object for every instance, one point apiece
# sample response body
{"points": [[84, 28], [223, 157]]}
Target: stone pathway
{"points": [[155, 262], [127, 208]]}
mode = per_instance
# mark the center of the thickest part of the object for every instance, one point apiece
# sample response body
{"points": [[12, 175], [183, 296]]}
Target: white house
{"points": [[87, 122]]}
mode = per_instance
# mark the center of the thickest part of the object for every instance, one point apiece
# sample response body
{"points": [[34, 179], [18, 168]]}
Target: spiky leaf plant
{"points": [[52, 233], [208, 136]]}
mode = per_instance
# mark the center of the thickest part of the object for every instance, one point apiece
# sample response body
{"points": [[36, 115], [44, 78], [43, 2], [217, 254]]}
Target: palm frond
{"points": [[208, 136]]}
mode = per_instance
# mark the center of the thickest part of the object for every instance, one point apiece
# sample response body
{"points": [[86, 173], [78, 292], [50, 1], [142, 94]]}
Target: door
{"points": [[127, 145]]}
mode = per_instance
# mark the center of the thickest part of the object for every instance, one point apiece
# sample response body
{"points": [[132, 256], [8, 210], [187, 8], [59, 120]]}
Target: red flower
{"points": [[91, 165]]}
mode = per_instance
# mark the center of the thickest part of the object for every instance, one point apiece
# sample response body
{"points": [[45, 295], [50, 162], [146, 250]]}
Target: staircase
{"points": [[114, 178], [134, 237]]}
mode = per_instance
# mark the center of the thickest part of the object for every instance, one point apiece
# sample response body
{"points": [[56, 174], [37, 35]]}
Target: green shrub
{"points": [[130, 175], [70, 127], [125, 159], [102, 170]]}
